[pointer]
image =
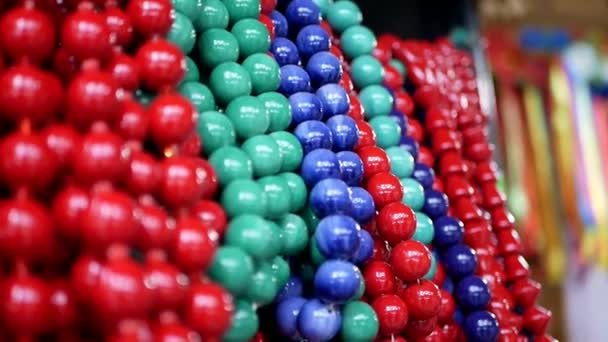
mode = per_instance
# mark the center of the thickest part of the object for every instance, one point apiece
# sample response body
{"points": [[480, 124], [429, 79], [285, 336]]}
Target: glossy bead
{"points": [[192, 248], [366, 70], [231, 163], [303, 12], [305, 106], [295, 234], [396, 222], [387, 131], [165, 282], [334, 100], [213, 14], [200, 96], [144, 174], [536, 319], [298, 190], [86, 93], [28, 34], [278, 109], [401, 161], [84, 34], [367, 136], [150, 17], [385, 188], [376, 101], [357, 40], [264, 153], [337, 236], [330, 197], [448, 231], [287, 316], [362, 205], [216, 130], [424, 229], [290, 150], [365, 250], [248, 115], [98, 157], [318, 321], [481, 326], [162, 64], [254, 235], [351, 167], [392, 314], [280, 23], [342, 15], [182, 33], [217, 46], [460, 261], [244, 196], [293, 79], [323, 67], [67, 208], [411, 260], [359, 322], [26, 308], [232, 268], [435, 204], [228, 81], [312, 39], [319, 164], [413, 193], [344, 132], [424, 175], [278, 196], [336, 281], [423, 300], [472, 293], [313, 135], [242, 9], [184, 180], [208, 309], [252, 36], [525, 292], [263, 71], [379, 279], [375, 161], [262, 287], [28, 227], [285, 51], [409, 144], [420, 328], [292, 288]]}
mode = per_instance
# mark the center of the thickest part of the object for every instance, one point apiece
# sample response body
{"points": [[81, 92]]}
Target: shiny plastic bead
{"points": [[213, 14], [411, 260], [318, 321], [252, 36], [375, 160], [392, 314], [424, 229], [84, 35], [423, 300], [472, 293], [359, 322], [385, 188], [285, 51], [287, 316], [264, 153], [29, 315], [244, 196], [263, 71], [216, 46], [379, 279], [337, 236], [278, 109], [481, 326], [245, 322], [366, 70], [232, 268], [293, 79], [312, 39], [200, 96], [351, 167], [387, 131], [357, 40], [435, 204], [376, 101], [413, 193], [396, 222], [28, 226], [228, 81], [313, 135], [295, 234], [402, 162], [291, 152], [192, 248], [336, 281], [344, 14], [27, 34], [150, 17], [277, 194], [303, 12], [365, 250], [448, 231], [162, 64], [330, 197], [305, 106], [298, 190], [280, 23], [248, 115], [344, 132], [334, 100], [242, 9], [216, 130], [182, 33], [208, 309], [231, 163], [362, 205], [460, 261], [323, 67]]}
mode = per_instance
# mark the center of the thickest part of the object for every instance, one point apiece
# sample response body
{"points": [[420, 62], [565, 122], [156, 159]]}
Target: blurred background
{"points": [[542, 66]]}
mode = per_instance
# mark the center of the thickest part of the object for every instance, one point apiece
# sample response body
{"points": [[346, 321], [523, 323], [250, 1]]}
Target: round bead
{"points": [[264, 153], [151, 17], [399, 119], [472, 293], [254, 235], [244, 324], [408, 143], [244, 196], [399, 66], [366, 70], [191, 8], [162, 64], [423, 300], [231, 163], [228, 81], [280, 24], [396, 222], [365, 250], [182, 33], [192, 248], [387, 131], [413, 193], [263, 287], [232, 268], [263, 71], [303, 12], [144, 173], [216, 46], [448, 231], [248, 115], [213, 14], [318, 321], [385, 188], [200, 96], [344, 132], [330, 197], [243, 9], [27, 34], [424, 229], [120, 25], [290, 150], [293, 79], [376, 101], [298, 191], [211, 214], [84, 35], [89, 166], [411, 260], [344, 14], [357, 40], [359, 322], [392, 314], [313, 135], [379, 279], [402, 162], [287, 316], [192, 72], [285, 51], [208, 309], [125, 71], [312, 39], [172, 119], [319, 164], [460, 261], [337, 236], [278, 109], [424, 175], [29, 315], [277, 194], [351, 167], [27, 229], [334, 100], [323, 67], [374, 160], [362, 204], [85, 94], [435, 203], [295, 234], [292, 288], [252, 36], [304, 107], [216, 130], [481, 326], [336, 281]]}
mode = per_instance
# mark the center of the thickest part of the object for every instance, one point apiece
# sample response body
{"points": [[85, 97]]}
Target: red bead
{"points": [[392, 77], [65, 66], [457, 186], [167, 284], [92, 96], [451, 163], [439, 277], [84, 277], [269, 25], [67, 208], [536, 319], [379, 279], [423, 299], [444, 140], [508, 242], [501, 298], [426, 96], [480, 151], [120, 26], [130, 330], [516, 267], [525, 292], [155, 229], [502, 219], [208, 309], [447, 307], [108, 219], [545, 338], [193, 249], [396, 223], [28, 92], [467, 210], [419, 328], [425, 156], [162, 63], [346, 82], [367, 136], [151, 17], [451, 332], [182, 181], [84, 35], [411, 260], [474, 134], [404, 103], [415, 130], [192, 146], [27, 227], [327, 27], [268, 6], [64, 307], [212, 215], [383, 53], [438, 184], [25, 305], [507, 335], [385, 188], [375, 161], [172, 119], [486, 172], [492, 197], [356, 110], [125, 71], [477, 233], [61, 141], [168, 332], [133, 122], [392, 338], [435, 336], [392, 314], [27, 33], [144, 174], [206, 178], [100, 157], [380, 252], [26, 162], [336, 51]]}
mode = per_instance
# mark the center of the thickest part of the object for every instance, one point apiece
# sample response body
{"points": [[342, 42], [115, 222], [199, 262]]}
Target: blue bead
{"points": [[330, 197], [305, 106], [323, 67], [285, 51], [424, 175], [410, 145], [481, 326], [313, 135], [280, 24], [286, 316], [459, 261], [337, 237], [336, 281], [319, 322], [292, 288], [365, 250], [448, 284], [400, 119], [351, 167], [334, 99], [312, 39], [293, 80], [458, 317], [435, 203], [448, 231], [344, 132], [318, 165], [472, 293], [363, 208], [303, 12]]}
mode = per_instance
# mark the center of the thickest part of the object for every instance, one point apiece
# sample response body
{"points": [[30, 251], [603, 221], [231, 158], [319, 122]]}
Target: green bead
{"points": [[241, 9], [277, 194], [460, 37], [361, 289], [263, 71], [264, 153], [290, 149], [399, 66], [192, 73], [366, 70], [190, 8], [263, 286], [298, 190], [200, 96], [231, 163], [413, 193], [249, 116], [344, 14], [431, 273], [376, 101], [279, 110], [277, 237], [359, 322], [402, 162], [253, 37], [244, 324], [244, 196], [424, 229], [216, 130], [213, 14], [217, 46], [232, 268], [315, 254], [295, 234], [357, 40], [182, 33], [311, 219], [323, 5], [252, 234], [280, 270], [228, 81], [388, 132]]}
